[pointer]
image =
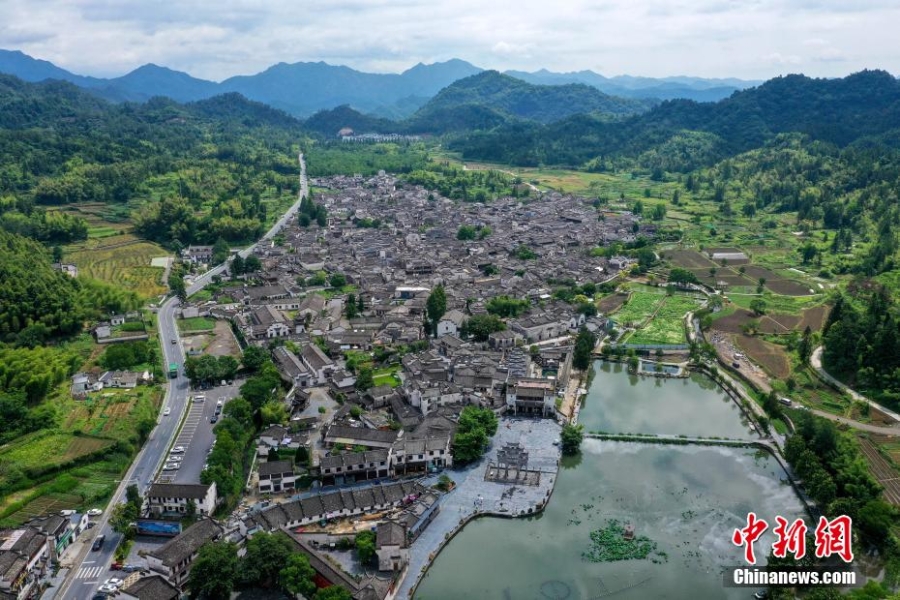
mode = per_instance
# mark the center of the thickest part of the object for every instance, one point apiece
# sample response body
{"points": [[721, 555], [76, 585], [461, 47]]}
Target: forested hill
{"points": [[217, 163], [513, 97], [839, 111], [484, 102]]}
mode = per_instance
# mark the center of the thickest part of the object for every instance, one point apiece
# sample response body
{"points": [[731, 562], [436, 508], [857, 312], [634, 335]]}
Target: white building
{"points": [[174, 497]]}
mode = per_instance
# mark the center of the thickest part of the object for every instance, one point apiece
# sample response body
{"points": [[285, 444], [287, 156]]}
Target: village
{"points": [[375, 390]]}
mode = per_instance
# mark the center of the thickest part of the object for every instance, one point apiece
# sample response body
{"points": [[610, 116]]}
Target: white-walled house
{"points": [[174, 497]]}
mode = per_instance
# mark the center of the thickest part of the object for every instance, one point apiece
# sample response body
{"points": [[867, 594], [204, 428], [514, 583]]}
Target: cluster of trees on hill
{"points": [[863, 345], [835, 474], [38, 303], [469, 186], [839, 111], [212, 163]]}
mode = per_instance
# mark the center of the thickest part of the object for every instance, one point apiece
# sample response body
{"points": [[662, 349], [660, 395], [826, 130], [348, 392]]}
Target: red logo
{"points": [[790, 539], [749, 534], [833, 537]]}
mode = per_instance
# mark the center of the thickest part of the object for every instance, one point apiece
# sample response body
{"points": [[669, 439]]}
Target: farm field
{"points": [[667, 325], [883, 471], [639, 307], [122, 260], [611, 303], [771, 357]]}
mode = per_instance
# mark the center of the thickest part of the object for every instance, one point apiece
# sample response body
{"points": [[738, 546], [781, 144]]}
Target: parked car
{"points": [[131, 568], [108, 589], [116, 566], [213, 419], [94, 512], [171, 467], [177, 450], [114, 581], [98, 542], [176, 459]]}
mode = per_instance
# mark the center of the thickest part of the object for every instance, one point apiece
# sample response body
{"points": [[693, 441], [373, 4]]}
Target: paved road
{"points": [[91, 568], [815, 362]]}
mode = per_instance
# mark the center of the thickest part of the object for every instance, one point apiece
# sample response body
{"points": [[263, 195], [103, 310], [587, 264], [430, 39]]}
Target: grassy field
{"points": [[197, 324], [640, 306], [387, 376], [667, 326]]}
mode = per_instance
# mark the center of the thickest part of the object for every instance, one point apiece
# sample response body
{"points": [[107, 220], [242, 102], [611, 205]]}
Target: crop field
{"points": [[611, 303], [197, 324], [639, 308], [883, 471], [48, 448], [889, 444], [667, 326], [771, 357], [123, 260], [689, 259]]}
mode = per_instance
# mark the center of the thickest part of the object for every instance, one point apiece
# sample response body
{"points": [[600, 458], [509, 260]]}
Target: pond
{"points": [[619, 402], [686, 499]]}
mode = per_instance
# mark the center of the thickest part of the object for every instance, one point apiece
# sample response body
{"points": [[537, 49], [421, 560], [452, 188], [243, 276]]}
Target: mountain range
{"points": [[304, 88]]}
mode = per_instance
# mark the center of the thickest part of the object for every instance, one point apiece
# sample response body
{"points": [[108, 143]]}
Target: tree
{"points": [[334, 592], [584, 349], [214, 572], [758, 306], [254, 358], [133, 496], [176, 285], [123, 516], [481, 326], [680, 276], [364, 379], [190, 509], [337, 280], [220, 251], [261, 388], [267, 553], [57, 254], [476, 426], [297, 576], [466, 233], [273, 454], [360, 305], [436, 305], [365, 546], [350, 307], [571, 438], [237, 265], [805, 347], [252, 264]]}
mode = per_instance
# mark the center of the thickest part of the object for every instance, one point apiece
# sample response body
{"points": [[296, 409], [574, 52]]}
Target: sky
{"points": [[215, 39]]}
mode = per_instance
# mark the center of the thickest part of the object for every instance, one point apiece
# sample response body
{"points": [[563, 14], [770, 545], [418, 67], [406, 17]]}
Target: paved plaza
{"points": [[473, 494]]}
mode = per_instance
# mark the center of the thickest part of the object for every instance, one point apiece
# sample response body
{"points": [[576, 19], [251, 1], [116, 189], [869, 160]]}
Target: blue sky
{"points": [[751, 39]]}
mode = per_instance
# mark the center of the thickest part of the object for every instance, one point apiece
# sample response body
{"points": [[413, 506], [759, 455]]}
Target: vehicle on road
{"points": [[167, 412], [131, 568], [174, 341], [98, 542], [116, 566], [171, 467], [115, 581], [177, 450], [108, 589], [213, 419], [94, 512], [173, 370], [199, 398]]}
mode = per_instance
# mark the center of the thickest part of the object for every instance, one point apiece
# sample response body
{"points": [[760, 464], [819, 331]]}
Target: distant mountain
{"points": [[304, 88], [330, 122], [152, 80], [626, 86], [26, 68], [499, 96], [839, 111]]}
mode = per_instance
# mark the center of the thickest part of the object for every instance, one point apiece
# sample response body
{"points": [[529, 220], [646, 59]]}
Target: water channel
{"points": [[687, 499]]}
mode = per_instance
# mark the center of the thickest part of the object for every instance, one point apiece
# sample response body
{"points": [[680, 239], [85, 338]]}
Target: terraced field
{"points": [[123, 260]]}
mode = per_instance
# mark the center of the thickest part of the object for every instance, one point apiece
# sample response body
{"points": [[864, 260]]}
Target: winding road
{"points": [[91, 567]]}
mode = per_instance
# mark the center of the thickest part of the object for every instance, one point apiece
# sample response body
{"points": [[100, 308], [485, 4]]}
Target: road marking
{"points": [[88, 572]]}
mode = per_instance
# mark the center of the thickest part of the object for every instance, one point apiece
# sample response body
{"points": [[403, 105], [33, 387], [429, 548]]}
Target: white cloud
{"points": [[742, 38]]}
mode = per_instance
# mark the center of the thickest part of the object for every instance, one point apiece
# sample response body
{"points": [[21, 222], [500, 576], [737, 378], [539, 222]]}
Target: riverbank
{"points": [[473, 496]]}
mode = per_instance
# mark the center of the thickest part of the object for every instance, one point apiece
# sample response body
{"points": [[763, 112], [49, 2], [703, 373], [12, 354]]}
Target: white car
{"points": [[113, 581], [94, 512], [171, 467], [177, 450], [108, 589], [176, 459], [167, 412]]}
